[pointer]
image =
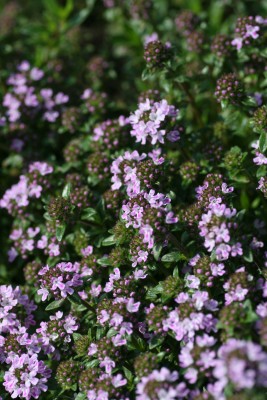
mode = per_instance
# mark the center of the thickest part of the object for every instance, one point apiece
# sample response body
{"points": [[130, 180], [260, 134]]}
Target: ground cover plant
{"points": [[133, 259]]}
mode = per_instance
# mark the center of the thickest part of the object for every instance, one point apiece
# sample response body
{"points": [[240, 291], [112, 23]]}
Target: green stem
{"points": [[88, 306], [179, 246], [184, 87]]}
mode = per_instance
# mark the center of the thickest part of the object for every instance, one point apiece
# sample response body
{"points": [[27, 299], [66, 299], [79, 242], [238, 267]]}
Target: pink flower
{"points": [[87, 251], [238, 42], [132, 306], [252, 31], [118, 381], [108, 364], [92, 349]]}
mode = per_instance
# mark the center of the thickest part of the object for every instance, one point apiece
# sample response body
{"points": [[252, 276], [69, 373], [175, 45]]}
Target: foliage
{"points": [[133, 199]]}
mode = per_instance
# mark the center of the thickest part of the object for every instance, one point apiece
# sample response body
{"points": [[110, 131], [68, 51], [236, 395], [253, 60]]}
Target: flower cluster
{"points": [[247, 29], [27, 377], [215, 226], [153, 121], [24, 98], [60, 280], [30, 185]]}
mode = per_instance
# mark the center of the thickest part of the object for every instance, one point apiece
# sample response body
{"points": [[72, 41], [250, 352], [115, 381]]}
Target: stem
{"points": [[184, 87], [179, 246], [88, 306]]}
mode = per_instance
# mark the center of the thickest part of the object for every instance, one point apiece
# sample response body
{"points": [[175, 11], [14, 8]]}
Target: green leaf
{"points": [[81, 396], [261, 171], [251, 315], [15, 161], [109, 241], [90, 4], [47, 217], [136, 343], [152, 267], [146, 74], [213, 256], [248, 256], [99, 333], [54, 305], [256, 202], [151, 293], [90, 214], [76, 336], [51, 7], [241, 214], [155, 342], [216, 13], [127, 373], [90, 334], [74, 387], [92, 364], [101, 208], [244, 200], [60, 230], [111, 332], [175, 273], [66, 191], [239, 178], [93, 180], [157, 250], [74, 298], [224, 104], [66, 11], [263, 142], [173, 257], [104, 261], [250, 102]]}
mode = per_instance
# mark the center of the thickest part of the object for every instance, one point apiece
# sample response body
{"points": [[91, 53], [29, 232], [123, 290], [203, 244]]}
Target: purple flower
{"points": [[118, 381], [132, 306], [87, 251], [12, 254], [223, 252], [60, 280], [162, 382], [215, 227], [15, 309], [170, 218], [192, 282], [252, 31], [151, 38], [24, 66], [241, 363], [51, 116], [97, 395], [36, 74], [149, 121], [42, 167], [56, 331], [61, 98], [238, 43], [92, 349], [26, 377], [53, 250], [118, 341], [108, 364], [139, 274], [260, 159], [173, 136]]}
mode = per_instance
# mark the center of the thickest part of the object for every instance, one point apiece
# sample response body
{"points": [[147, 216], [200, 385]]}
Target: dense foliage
{"points": [[133, 200]]}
